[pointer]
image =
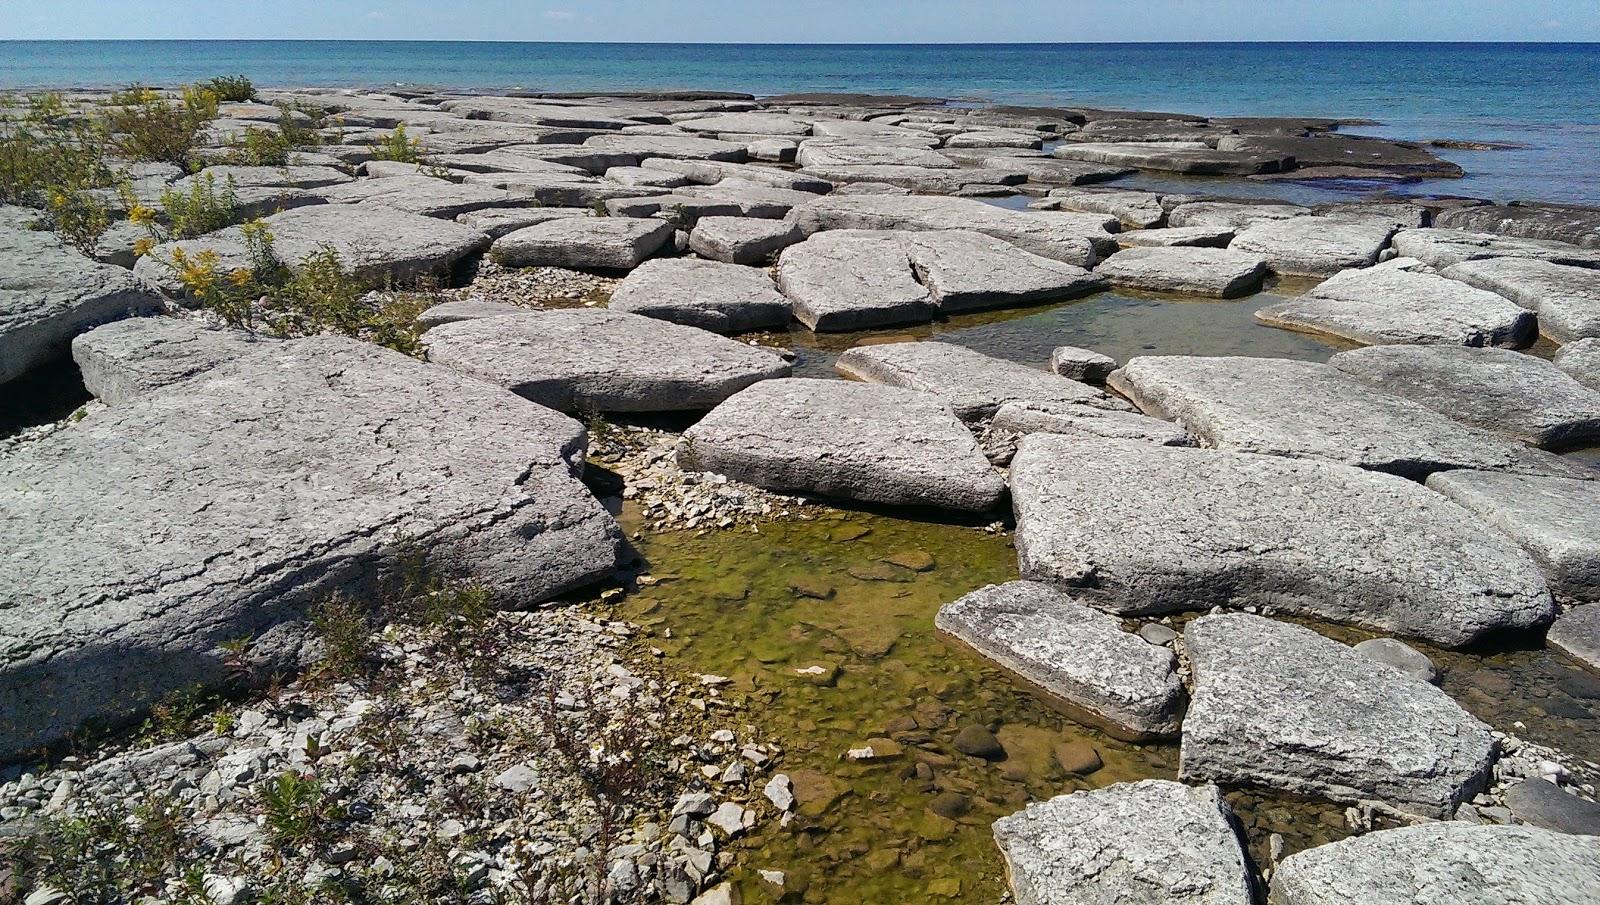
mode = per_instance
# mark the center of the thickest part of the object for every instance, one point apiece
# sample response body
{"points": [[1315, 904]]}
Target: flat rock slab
{"points": [[753, 199], [1234, 215], [129, 563], [1078, 657], [1213, 272], [1440, 248], [747, 124], [1197, 236], [722, 298], [593, 243], [1581, 359], [1556, 222], [708, 172], [584, 359], [934, 180], [972, 383], [299, 177], [1050, 170], [1304, 409], [1557, 520], [742, 240], [680, 210], [463, 310], [1136, 210], [1316, 246], [854, 441], [1390, 305], [971, 271], [425, 195], [1190, 160], [1495, 389], [1567, 299], [1354, 151], [672, 147], [1545, 805], [1153, 842], [852, 280], [498, 221], [1450, 863], [1146, 530], [126, 358], [1279, 706], [1079, 418], [1072, 238], [823, 153], [378, 242], [49, 293], [1576, 633]]}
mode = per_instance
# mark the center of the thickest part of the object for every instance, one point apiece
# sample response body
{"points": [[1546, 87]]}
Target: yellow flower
{"points": [[142, 215], [143, 246], [240, 277]]}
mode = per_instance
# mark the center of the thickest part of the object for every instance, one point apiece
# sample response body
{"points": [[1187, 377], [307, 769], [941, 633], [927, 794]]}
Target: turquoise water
{"points": [[1543, 95]]}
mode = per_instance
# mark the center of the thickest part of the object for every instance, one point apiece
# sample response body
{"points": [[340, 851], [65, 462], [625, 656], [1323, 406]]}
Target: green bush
{"points": [[296, 811], [202, 209], [148, 126], [55, 161], [398, 146], [231, 88], [104, 859]]}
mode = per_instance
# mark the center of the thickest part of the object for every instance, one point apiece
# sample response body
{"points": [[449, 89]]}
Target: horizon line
{"points": [[783, 43]]}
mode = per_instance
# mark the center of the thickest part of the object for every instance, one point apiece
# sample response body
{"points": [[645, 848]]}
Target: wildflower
{"points": [[142, 247], [240, 277], [144, 216]]}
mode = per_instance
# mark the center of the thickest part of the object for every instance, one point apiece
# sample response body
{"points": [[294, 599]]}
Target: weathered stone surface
{"points": [[1581, 359], [672, 147], [973, 384], [1560, 223], [1135, 210], [1567, 299], [969, 271], [499, 221], [747, 123], [1147, 529], [1082, 364], [129, 563], [1072, 238], [647, 176], [852, 280], [1392, 305], [560, 189], [527, 159], [708, 172], [1450, 863], [1214, 272], [858, 441], [1190, 159], [1080, 658], [585, 359], [1308, 410], [681, 210], [1201, 236], [754, 199], [1358, 151], [1152, 842], [1281, 707], [378, 242], [1052, 171], [1494, 389], [1545, 805], [722, 298], [49, 293], [1315, 246], [600, 243], [1576, 633], [1400, 656], [125, 358], [462, 310], [425, 195], [1441, 248], [742, 240], [299, 177], [1557, 520], [824, 154], [937, 180], [1234, 215], [995, 138], [1079, 418]]}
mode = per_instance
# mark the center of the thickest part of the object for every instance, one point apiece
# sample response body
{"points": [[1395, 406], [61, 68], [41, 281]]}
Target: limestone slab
{"points": [[1391, 305], [600, 243], [852, 280], [1213, 272], [1557, 520], [1566, 299], [742, 240], [973, 384], [722, 298]]}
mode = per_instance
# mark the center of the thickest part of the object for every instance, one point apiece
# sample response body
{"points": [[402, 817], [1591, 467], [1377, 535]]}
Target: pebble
{"points": [[977, 741]]}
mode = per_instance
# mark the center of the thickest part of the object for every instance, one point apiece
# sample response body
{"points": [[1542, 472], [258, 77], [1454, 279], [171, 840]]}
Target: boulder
{"points": [[1082, 364], [1079, 418], [1153, 842], [1390, 305], [593, 360], [742, 240], [1234, 215], [379, 243], [1556, 222], [1567, 299], [972, 383], [1213, 272], [126, 358], [1495, 389], [852, 280], [1451, 863], [969, 271], [425, 195], [1303, 409], [1581, 359], [1279, 706], [598, 243], [1146, 530], [1576, 633], [1188, 158], [1441, 248], [49, 293], [1557, 520], [1315, 246], [1399, 656], [856, 441], [1072, 238], [130, 564], [722, 298], [1079, 658]]}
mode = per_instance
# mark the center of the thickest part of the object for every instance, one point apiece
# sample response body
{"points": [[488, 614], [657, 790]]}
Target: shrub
{"points": [[398, 146], [202, 209], [101, 859], [346, 632], [296, 811], [231, 88], [55, 161], [147, 126]]}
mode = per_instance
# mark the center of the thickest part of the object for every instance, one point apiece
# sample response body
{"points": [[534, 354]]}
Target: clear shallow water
{"points": [[1544, 95]]}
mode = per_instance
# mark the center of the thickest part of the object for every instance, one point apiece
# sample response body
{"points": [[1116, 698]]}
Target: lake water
{"points": [[1546, 96]]}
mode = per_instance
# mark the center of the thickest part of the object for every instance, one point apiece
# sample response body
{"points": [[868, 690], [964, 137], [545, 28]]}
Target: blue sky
{"points": [[810, 20]]}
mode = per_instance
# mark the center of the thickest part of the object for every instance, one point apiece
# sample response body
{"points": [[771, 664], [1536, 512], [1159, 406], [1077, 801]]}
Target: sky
{"points": [[804, 21]]}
